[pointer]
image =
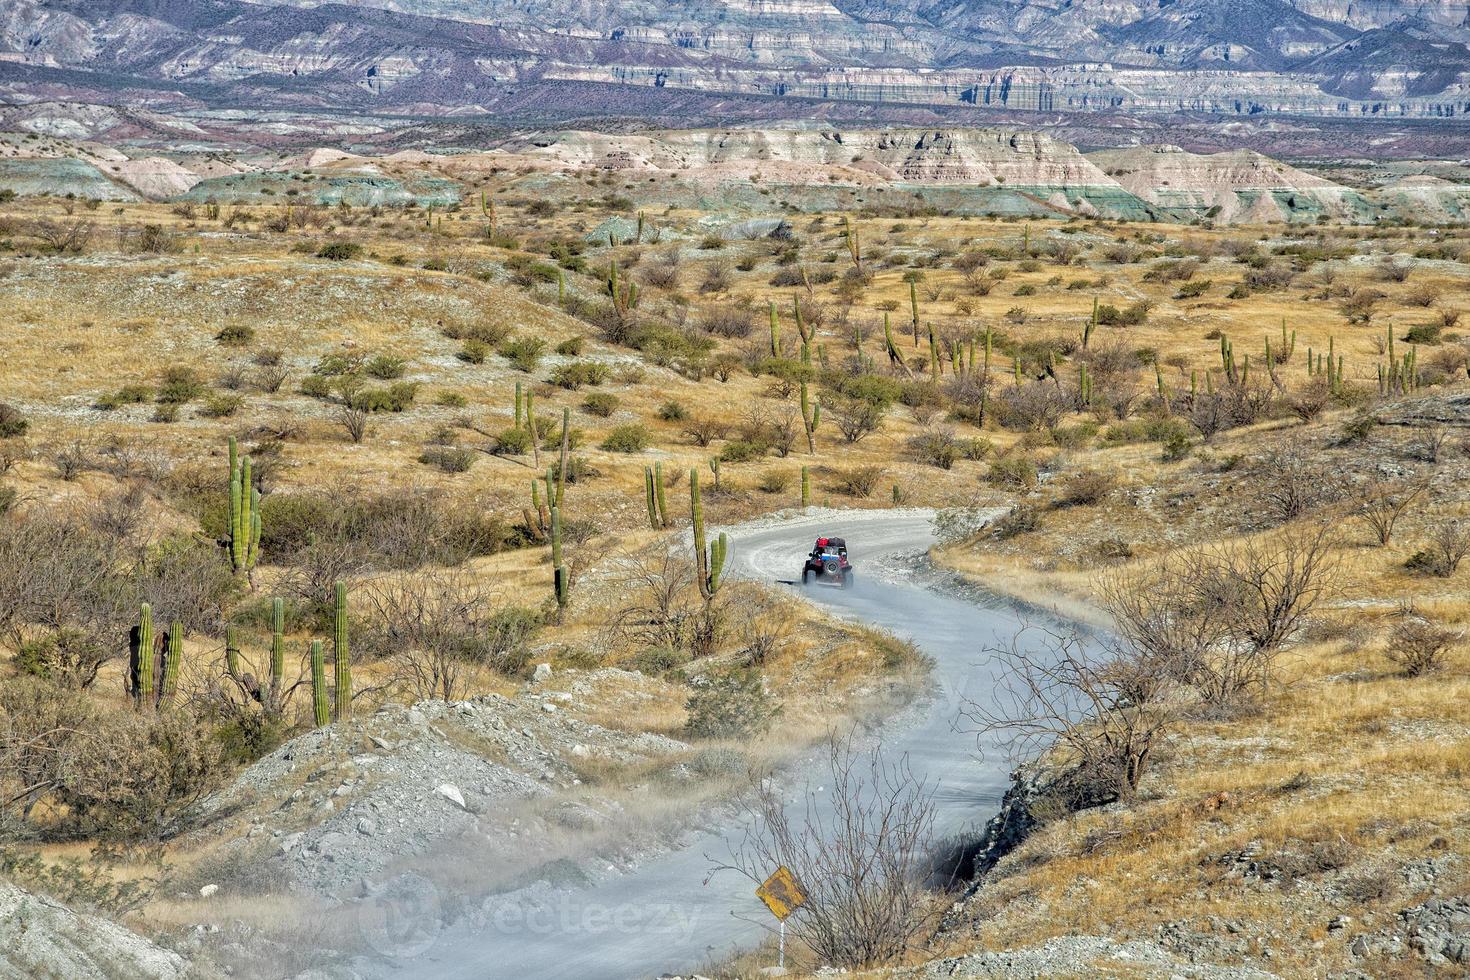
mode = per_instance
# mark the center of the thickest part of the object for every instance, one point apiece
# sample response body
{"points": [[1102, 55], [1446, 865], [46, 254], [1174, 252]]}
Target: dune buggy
{"points": [[827, 564]]}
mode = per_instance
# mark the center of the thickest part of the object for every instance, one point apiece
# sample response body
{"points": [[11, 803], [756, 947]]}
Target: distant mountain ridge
{"points": [[1405, 59]]}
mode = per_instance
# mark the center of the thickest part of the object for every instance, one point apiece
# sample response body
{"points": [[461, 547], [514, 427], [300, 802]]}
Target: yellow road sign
{"points": [[781, 893]]}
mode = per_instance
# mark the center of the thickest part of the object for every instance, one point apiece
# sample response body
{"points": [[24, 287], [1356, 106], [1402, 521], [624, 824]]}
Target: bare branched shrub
{"points": [[1447, 545], [1290, 483], [1383, 503], [354, 421], [1420, 646], [64, 237], [1103, 708], [1217, 618], [858, 849], [660, 606], [436, 627], [1038, 405]]}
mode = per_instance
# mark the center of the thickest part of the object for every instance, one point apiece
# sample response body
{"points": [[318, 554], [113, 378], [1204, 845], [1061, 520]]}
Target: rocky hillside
{"points": [[964, 171], [556, 57]]}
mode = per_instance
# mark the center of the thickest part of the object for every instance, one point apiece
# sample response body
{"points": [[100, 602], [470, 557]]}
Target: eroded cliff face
{"points": [[1332, 58]]}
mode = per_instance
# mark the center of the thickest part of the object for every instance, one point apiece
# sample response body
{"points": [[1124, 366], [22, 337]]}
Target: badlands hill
{"points": [[756, 171]]}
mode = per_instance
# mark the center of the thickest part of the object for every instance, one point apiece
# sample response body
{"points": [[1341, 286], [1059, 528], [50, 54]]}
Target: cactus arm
{"points": [[171, 662], [341, 654], [143, 660], [318, 685]]}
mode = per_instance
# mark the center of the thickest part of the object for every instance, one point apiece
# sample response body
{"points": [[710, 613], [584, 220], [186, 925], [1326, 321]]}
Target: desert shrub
{"points": [[126, 395], [512, 442], [732, 703], [601, 404], [1020, 519], [1447, 546], [629, 438], [339, 251], [12, 422], [570, 347], [316, 386], [1014, 470], [742, 451], [451, 399], [117, 775], [396, 397], [656, 661], [857, 481], [524, 353], [672, 411], [1424, 333], [728, 320], [937, 447], [855, 417], [578, 373], [473, 351], [1085, 488], [450, 459], [235, 335], [180, 384], [774, 481], [221, 405], [1420, 646], [1132, 315], [384, 367]]}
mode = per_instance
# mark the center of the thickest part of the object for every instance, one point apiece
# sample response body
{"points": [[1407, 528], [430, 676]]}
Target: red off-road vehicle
{"points": [[827, 564]]}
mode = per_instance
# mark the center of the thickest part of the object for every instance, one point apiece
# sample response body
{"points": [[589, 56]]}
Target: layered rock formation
{"points": [[1230, 187], [1390, 59]]}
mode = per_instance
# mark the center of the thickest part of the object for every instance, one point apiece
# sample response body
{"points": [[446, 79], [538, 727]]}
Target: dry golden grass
{"points": [[1347, 753]]}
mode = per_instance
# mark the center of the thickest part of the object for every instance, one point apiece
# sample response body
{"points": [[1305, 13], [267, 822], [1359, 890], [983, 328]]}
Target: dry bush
{"points": [[857, 481], [1383, 503], [1290, 483], [1085, 488], [1217, 618], [1420, 646], [660, 606], [106, 773], [435, 628], [1103, 709], [1445, 549], [858, 849], [1037, 405]]}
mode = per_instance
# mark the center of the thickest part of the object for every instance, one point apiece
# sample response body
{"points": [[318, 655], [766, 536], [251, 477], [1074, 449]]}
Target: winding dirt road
{"points": [[665, 917]]}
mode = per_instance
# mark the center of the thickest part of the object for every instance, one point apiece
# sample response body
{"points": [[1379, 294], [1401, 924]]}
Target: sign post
{"points": [[783, 895]]}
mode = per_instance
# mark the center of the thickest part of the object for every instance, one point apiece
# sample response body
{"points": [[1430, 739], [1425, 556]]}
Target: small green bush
{"points": [[1014, 470], [524, 353], [730, 704], [474, 351], [513, 442], [385, 367], [221, 405], [629, 438], [180, 384], [742, 451], [601, 404], [672, 411], [570, 347], [578, 373], [126, 395], [12, 422], [316, 386], [339, 251]]}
